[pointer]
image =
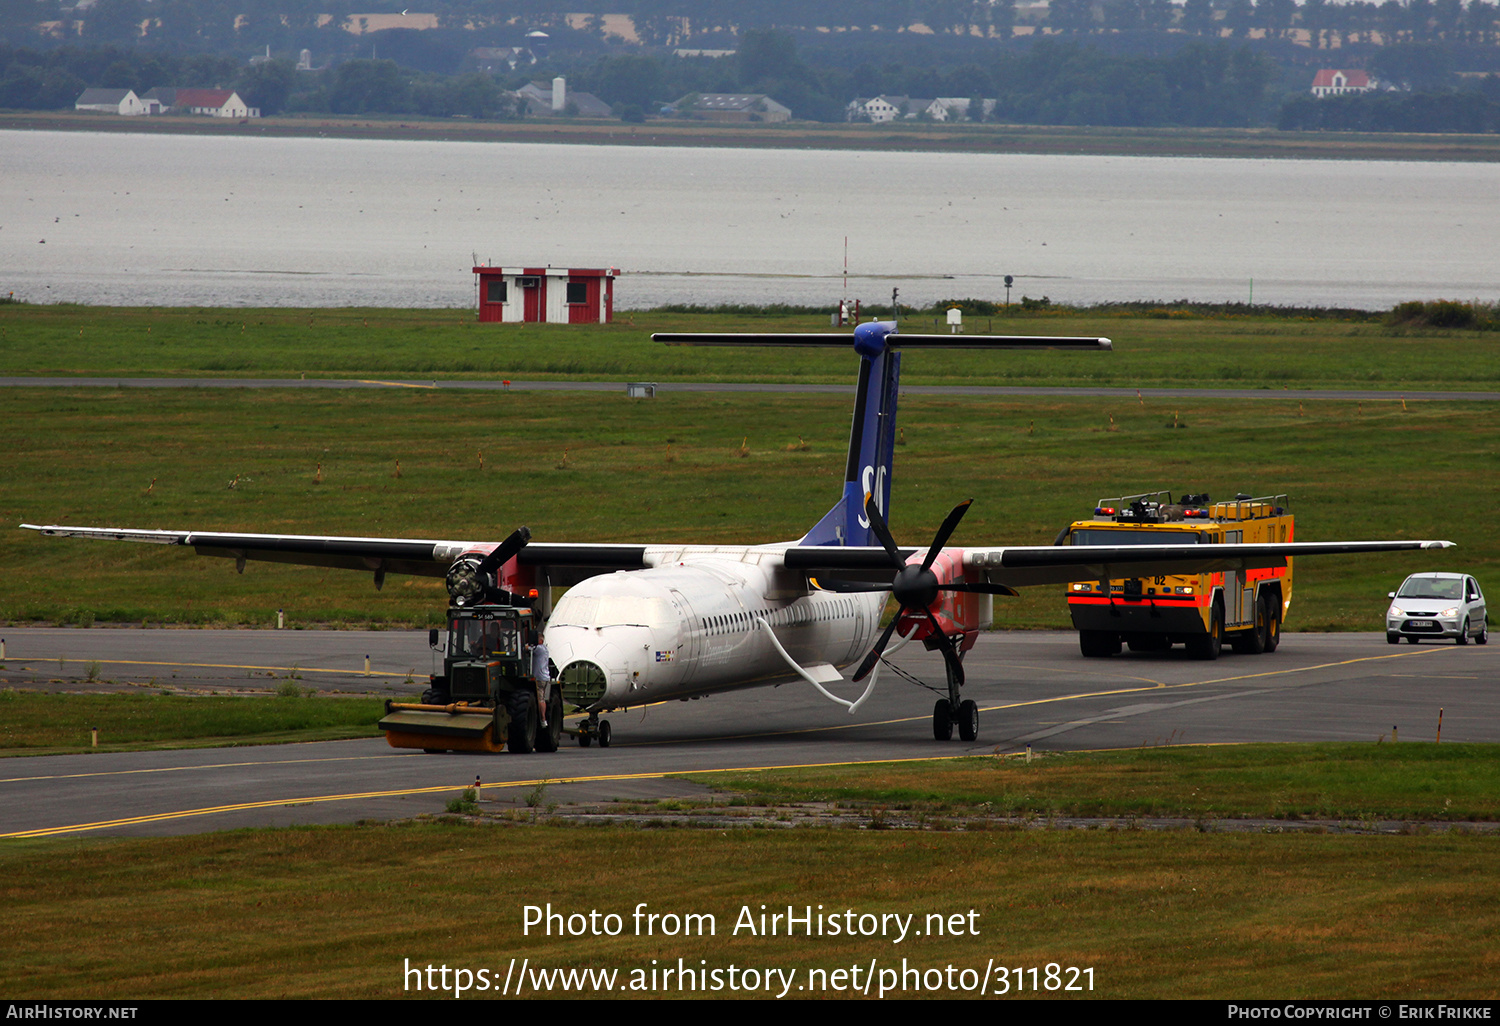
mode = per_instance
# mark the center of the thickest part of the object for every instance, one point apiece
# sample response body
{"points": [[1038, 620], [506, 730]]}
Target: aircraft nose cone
{"points": [[583, 682]]}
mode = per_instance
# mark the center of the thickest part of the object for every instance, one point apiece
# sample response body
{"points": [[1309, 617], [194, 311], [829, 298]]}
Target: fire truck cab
{"points": [[1200, 611]]}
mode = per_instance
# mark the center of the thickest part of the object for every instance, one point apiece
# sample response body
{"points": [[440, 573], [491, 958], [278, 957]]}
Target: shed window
{"points": [[578, 293], [495, 291]]}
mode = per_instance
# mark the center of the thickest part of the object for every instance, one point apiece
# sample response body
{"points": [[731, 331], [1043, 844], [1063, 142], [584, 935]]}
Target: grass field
{"points": [[342, 912], [1167, 348], [1448, 783], [601, 467], [33, 723]]}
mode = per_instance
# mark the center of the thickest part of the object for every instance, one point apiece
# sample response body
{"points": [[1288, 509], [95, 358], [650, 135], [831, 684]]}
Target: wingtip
{"points": [[1105, 343]]}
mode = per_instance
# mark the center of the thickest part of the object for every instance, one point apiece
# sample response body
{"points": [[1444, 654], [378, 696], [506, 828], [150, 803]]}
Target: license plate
{"points": [[1423, 623]]}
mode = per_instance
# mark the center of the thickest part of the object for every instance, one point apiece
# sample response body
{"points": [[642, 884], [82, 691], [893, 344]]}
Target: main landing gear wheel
{"points": [[945, 718], [942, 721], [968, 720], [605, 734]]}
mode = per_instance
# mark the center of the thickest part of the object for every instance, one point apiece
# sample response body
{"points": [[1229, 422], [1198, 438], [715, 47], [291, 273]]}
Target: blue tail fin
{"points": [[872, 442]]}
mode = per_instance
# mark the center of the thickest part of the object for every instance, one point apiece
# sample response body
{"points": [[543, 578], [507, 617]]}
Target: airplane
{"points": [[647, 623]]}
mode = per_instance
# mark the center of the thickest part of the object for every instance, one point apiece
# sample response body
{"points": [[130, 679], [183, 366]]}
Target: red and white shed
{"points": [[547, 295]]}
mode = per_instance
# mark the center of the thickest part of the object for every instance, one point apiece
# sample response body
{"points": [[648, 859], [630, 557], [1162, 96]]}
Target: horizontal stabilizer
{"points": [[897, 340]]}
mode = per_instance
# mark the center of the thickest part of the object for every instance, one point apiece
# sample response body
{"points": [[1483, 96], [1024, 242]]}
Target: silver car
{"points": [[1437, 606]]}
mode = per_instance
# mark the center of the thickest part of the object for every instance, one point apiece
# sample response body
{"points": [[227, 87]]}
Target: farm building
{"points": [[110, 101], [546, 295]]}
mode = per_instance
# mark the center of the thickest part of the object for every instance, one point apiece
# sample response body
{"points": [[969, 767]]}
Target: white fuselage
{"points": [[691, 625]]}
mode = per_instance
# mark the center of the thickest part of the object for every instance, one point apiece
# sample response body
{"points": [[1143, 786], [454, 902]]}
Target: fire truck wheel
{"points": [[548, 738], [942, 721], [521, 736], [1208, 646], [1254, 641], [1273, 623], [1098, 644]]}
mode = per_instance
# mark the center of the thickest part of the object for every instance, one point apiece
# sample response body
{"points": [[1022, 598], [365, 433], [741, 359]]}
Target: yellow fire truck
{"points": [[1200, 611]]}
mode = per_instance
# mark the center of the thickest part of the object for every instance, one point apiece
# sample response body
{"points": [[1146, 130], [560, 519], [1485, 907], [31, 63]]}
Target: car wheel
{"points": [[1392, 639], [1463, 633], [1484, 634]]}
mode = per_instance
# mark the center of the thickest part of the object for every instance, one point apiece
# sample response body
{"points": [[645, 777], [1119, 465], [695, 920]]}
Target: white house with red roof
{"points": [[1339, 82], [214, 103]]}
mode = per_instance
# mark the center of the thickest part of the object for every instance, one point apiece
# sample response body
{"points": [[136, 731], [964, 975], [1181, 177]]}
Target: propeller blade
{"points": [[505, 551], [874, 656], [949, 525], [980, 587], [883, 532], [950, 654]]}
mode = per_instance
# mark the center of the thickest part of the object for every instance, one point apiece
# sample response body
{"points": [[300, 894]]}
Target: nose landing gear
{"points": [[592, 729]]}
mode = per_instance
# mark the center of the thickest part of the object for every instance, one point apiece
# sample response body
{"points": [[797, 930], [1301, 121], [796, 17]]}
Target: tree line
{"points": [[221, 24]]}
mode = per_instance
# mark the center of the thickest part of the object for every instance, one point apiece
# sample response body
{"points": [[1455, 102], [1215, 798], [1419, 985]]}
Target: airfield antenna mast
{"points": [[895, 310]]}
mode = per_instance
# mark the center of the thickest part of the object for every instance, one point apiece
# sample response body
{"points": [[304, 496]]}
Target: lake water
{"points": [[189, 220]]}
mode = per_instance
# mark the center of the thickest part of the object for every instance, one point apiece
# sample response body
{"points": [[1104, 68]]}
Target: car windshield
{"points": [[1432, 588]]}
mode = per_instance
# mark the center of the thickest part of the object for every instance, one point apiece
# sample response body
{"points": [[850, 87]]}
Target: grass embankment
{"points": [[341, 913], [1170, 346], [32, 723], [601, 467], [1448, 783]]}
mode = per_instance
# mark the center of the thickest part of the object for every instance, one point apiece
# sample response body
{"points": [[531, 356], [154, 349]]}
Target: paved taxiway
{"points": [[1033, 688]]}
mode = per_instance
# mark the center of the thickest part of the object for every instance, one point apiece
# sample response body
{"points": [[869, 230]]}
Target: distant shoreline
{"points": [[1248, 143]]}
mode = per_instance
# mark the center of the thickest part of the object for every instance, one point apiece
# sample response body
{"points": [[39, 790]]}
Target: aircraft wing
{"points": [[1022, 566], [423, 557], [1029, 565]]}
